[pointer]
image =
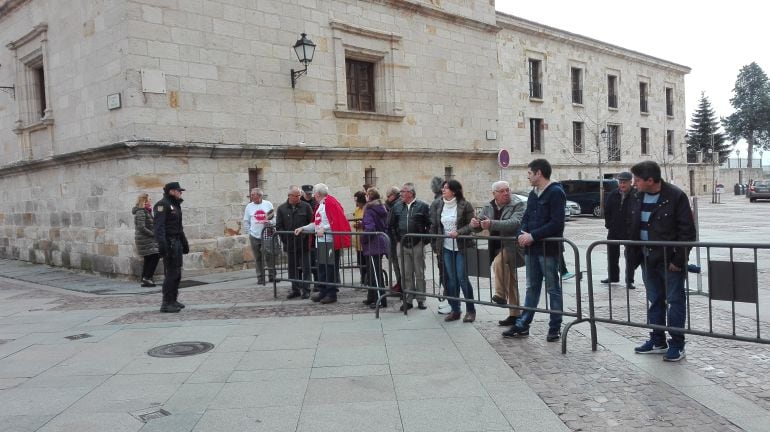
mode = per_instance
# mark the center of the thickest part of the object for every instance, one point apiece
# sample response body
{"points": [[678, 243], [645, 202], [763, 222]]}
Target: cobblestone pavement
{"points": [[589, 391]]}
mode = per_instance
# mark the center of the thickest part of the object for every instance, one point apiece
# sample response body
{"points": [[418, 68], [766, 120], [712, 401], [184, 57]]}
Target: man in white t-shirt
{"points": [[259, 214]]}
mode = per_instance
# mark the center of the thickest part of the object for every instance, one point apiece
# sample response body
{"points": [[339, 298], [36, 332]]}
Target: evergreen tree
{"points": [[751, 119], [704, 136]]}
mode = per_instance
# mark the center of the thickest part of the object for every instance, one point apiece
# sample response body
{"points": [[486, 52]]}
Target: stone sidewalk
{"points": [[297, 366]]}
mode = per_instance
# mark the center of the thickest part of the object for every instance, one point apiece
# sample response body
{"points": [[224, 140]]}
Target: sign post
{"points": [[503, 160]]}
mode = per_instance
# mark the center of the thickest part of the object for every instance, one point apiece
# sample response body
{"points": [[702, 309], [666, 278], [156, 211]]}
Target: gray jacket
{"points": [[143, 232], [508, 225]]}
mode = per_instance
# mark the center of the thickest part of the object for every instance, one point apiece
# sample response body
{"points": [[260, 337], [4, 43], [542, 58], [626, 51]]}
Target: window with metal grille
{"points": [[669, 101], [645, 140], [612, 91], [370, 177], [535, 83], [536, 135], [360, 85], [643, 97], [577, 137], [448, 173], [577, 85], [670, 142], [256, 180], [613, 142]]}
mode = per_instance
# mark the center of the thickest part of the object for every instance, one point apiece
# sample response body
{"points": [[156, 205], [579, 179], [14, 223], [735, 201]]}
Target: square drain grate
{"points": [[150, 414]]}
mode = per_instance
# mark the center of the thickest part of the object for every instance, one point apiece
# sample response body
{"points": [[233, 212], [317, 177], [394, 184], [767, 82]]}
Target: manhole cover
{"points": [[180, 349]]}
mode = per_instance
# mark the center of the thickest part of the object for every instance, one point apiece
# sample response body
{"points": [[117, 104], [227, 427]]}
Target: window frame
{"points": [[644, 140], [613, 142], [644, 99], [357, 66], [669, 101], [535, 74], [576, 84], [612, 91], [578, 137], [670, 142], [536, 126], [32, 83]]}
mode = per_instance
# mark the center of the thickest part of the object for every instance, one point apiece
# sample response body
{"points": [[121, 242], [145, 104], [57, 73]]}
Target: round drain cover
{"points": [[180, 349]]}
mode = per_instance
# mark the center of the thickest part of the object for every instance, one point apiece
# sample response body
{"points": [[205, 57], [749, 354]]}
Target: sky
{"points": [[714, 39]]}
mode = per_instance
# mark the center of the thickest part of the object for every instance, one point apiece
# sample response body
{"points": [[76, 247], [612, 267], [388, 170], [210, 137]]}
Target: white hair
{"points": [[321, 189], [500, 184]]}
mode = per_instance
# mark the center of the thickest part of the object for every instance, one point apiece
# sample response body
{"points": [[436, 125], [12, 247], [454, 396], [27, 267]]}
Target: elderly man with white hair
{"points": [[329, 217], [502, 217]]}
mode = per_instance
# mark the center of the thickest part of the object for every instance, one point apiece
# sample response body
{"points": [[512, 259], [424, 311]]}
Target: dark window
{"points": [[612, 91], [535, 85], [448, 173], [370, 176], [577, 137], [643, 97], [645, 140], [256, 180], [360, 83], [536, 135], [577, 85], [669, 101], [613, 142], [40, 88], [670, 142]]}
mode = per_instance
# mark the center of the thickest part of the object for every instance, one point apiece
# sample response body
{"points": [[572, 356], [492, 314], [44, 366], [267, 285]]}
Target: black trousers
{"points": [[374, 278], [172, 266], [149, 266], [613, 267], [299, 268]]}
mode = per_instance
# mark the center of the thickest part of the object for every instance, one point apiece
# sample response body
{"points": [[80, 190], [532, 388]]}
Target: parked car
{"points": [[586, 193], [759, 189], [570, 209]]}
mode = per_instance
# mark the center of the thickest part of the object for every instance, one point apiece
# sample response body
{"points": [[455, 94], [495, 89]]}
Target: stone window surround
{"points": [[375, 46], [31, 51], [540, 57]]}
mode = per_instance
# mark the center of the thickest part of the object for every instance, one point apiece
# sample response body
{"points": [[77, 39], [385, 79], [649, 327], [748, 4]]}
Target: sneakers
{"points": [[444, 308], [650, 348], [673, 354], [568, 275], [553, 335], [516, 332], [421, 305], [146, 283]]}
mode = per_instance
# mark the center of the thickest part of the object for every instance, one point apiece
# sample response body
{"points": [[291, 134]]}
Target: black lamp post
{"points": [[304, 48]]}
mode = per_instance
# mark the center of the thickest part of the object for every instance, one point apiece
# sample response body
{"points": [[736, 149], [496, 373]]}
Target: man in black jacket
{"points": [[661, 212], [411, 216], [616, 220], [172, 243], [292, 214]]}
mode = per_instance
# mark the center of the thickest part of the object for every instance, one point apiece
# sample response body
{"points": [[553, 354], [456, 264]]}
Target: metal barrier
{"points": [[477, 266], [732, 277], [302, 262]]}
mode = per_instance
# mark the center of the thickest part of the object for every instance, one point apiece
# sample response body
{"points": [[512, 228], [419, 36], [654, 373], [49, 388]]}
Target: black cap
{"points": [[307, 188], [172, 186], [625, 175]]}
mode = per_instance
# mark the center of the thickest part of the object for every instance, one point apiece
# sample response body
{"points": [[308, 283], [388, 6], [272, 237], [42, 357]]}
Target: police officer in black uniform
{"points": [[172, 243]]}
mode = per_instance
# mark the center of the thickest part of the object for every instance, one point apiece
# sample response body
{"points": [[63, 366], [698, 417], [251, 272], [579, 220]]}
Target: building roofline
{"points": [[507, 21]]}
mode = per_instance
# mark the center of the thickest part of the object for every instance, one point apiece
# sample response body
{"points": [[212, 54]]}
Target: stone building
{"points": [[116, 97]]}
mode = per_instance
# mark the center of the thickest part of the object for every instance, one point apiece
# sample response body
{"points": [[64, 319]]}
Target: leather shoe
{"points": [[293, 295], [469, 317], [630, 286], [328, 299], [511, 320], [406, 306], [453, 316], [421, 305], [606, 281], [316, 298], [305, 295], [179, 305], [497, 299], [169, 308]]}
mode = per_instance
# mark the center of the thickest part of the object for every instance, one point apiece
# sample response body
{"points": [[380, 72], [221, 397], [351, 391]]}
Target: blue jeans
{"points": [[541, 267], [665, 287], [456, 279]]}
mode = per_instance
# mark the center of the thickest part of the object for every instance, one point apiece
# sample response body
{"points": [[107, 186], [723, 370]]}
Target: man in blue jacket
{"points": [[543, 218]]}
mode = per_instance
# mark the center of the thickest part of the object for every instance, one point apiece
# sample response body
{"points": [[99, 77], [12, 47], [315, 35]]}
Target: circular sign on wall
{"points": [[503, 158]]}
